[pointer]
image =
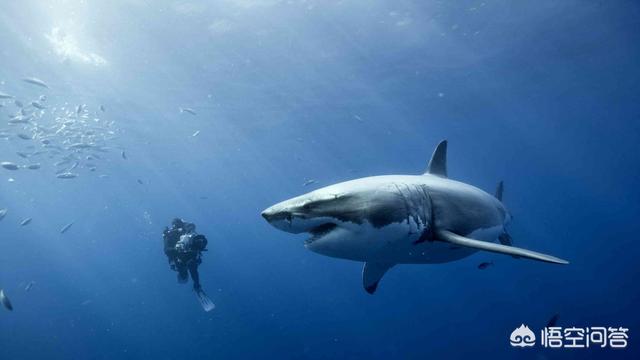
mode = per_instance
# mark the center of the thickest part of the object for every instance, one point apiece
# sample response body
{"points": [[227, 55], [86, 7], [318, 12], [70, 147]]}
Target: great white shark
{"points": [[401, 219]]}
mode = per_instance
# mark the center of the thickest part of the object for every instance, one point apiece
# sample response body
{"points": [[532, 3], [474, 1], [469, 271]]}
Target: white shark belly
{"points": [[366, 242], [398, 243]]}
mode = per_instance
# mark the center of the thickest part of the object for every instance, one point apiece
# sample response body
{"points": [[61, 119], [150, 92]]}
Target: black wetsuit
{"points": [[170, 238], [182, 261], [191, 261]]}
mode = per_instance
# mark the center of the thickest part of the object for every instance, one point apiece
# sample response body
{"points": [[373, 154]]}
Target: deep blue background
{"points": [[544, 95]]}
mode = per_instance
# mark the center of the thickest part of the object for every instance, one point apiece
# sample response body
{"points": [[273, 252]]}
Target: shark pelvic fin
{"points": [[499, 190], [438, 163], [505, 239], [372, 272], [456, 239]]}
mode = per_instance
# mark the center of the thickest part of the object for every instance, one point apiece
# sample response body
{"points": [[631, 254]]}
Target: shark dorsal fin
{"points": [[499, 190], [438, 163]]}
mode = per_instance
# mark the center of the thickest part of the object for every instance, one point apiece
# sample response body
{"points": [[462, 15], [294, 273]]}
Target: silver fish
{"points": [[309, 182], [35, 81], [32, 166], [5, 301], [81, 146], [188, 110], [3, 213], [25, 136], [66, 227], [37, 105], [29, 286], [196, 133], [66, 175], [63, 162], [5, 96], [9, 165], [25, 222]]}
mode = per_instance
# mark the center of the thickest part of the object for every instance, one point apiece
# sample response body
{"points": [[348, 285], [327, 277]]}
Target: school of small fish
{"points": [[65, 140]]}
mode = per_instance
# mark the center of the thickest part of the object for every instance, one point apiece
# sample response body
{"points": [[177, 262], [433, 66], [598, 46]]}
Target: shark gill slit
{"points": [[405, 201], [427, 233]]}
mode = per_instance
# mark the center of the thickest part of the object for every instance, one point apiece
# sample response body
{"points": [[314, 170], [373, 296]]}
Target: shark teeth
{"points": [[320, 231]]}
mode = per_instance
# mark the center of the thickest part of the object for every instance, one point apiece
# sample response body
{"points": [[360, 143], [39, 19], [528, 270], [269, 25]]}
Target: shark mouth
{"points": [[320, 231]]}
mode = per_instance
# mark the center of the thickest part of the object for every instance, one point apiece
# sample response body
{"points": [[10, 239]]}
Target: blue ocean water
{"points": [[544, 95]]}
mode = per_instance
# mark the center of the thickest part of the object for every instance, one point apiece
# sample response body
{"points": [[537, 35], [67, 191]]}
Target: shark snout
{"points": [[274, 214], [280, 217]]}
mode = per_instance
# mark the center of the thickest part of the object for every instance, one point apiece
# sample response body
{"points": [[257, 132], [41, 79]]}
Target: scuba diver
{"points": [[183, 247]]}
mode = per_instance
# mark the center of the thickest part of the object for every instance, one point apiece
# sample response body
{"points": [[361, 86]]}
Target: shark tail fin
{"points": [[499, 190], [438, 163]]}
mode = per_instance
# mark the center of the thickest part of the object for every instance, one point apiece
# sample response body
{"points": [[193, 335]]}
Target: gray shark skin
{"points": [[401, 219]]}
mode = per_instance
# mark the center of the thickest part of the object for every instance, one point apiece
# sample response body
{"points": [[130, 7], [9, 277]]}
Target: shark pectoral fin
{"points": [[450, 237], [372, 272]]}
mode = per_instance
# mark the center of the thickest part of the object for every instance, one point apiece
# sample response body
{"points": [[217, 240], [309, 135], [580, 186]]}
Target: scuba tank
{"points": [[191, 242]]}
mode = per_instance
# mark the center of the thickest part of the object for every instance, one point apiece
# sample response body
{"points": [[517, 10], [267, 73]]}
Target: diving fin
{"points": [[372, 272], [456, 239], [204, 300]]}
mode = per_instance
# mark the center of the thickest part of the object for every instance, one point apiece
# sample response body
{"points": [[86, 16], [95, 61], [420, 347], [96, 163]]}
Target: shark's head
{"points": [[341, 218]]}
